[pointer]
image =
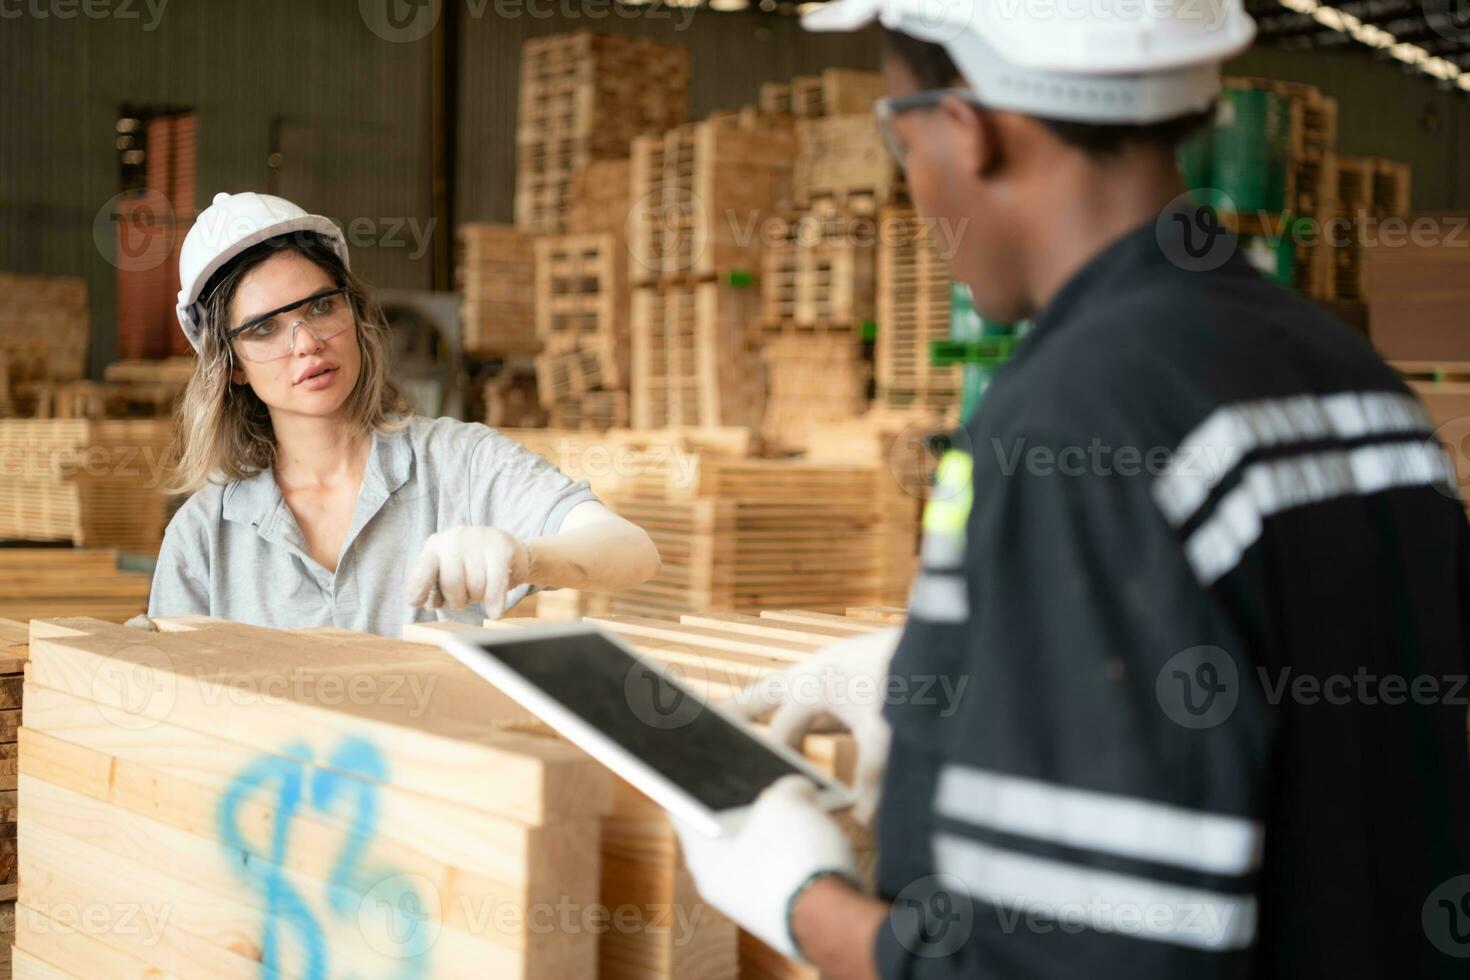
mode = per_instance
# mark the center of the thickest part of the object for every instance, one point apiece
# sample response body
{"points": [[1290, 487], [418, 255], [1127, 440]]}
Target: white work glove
{"points": [[753, 875], [465, 566], [846, 680]]}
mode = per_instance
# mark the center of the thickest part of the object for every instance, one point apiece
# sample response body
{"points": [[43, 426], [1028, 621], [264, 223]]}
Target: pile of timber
{"points": [[582, 322], [43, 331], [598, 199], [309, 804], [913, 308], [128, 389], [93, 483], [835, 92], [1416, 281], [44, 583], [584, 97], [1366, 188], [495, 277], [811, 379], [14, 647], [715, 654]]}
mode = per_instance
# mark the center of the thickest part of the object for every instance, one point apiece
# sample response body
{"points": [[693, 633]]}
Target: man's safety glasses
{"points": [[887, 109], [272, 335]]}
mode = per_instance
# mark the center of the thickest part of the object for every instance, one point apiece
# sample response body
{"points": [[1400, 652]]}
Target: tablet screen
{"points": [[714, 760]]}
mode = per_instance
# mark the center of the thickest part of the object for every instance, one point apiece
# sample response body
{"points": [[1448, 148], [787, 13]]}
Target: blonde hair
{"points": [[225, 431]]}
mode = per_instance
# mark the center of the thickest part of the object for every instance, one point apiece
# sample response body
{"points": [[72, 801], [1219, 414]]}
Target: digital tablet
{"points": [[703, 764]]}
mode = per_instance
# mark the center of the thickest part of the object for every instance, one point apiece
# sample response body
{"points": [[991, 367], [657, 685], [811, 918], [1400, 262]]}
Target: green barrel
{"points": [[1250, 149]]}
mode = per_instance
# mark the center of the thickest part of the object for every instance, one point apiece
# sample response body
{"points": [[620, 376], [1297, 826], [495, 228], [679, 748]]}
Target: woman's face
{"points": [[315, 379]]}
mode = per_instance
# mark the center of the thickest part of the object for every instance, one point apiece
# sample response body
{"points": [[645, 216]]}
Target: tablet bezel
{"points": [[466, 647]]}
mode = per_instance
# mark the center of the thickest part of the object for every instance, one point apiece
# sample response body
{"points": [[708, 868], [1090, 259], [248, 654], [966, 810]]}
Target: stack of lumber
{"points": [[14, 648], [1367, 188], [1417, 286], [43, 331], [173, 371], [835, 92], [495, 276], [715, 654], [840, 153], [42, 583], [748, 534], [309, 804], [913, 306], [696, 358], [584, 97], [598, 199], [811, 379], [614, 459], [582, 322], [96, 484], [699, 194]]}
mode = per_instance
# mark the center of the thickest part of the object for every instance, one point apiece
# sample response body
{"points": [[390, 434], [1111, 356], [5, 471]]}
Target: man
{"points": [[1204, 573]]}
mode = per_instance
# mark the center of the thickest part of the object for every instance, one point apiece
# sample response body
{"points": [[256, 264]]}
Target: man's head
{"points": [[997, 171]]}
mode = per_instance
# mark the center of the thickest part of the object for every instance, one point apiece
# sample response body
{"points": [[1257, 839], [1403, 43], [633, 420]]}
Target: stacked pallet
{"points": [[1367, 188], [811, 379], [913, 308], [584, 97], [582, 321], [835, 92], [598, 198], [695, 355], [495, 276], [43, 331], [363, 807], [96, 484], [43, 583], [844, 159], [748, 534], [699, 194], [1417, 287], [819, 273]]}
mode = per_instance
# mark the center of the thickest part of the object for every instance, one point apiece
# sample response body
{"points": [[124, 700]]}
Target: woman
{"points": [[317, 498]]}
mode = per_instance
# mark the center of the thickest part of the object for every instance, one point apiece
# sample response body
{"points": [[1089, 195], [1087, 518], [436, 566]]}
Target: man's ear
{"points": [[975, 135]]}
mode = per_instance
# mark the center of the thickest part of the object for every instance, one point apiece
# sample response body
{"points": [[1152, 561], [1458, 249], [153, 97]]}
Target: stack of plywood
{"points": [[695, 355], [96, 484], [307, 804], [42, 583], [582, 321], [495, 275], [584, 97], [749, 534], [913, 307], [43, 331], [1417, 287]]}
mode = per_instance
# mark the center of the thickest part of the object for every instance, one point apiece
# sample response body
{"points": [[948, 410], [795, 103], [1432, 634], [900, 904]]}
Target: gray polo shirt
{"points": [[234, 551]]}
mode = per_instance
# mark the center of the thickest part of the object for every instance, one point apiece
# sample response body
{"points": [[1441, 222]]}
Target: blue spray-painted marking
{"points": [[353, 772]]}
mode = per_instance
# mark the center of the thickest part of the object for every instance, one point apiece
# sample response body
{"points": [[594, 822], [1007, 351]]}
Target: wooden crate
{"points": [[358, 806], [811, 379], [844, 158], [820, 273], [44, 329], [583, 98], [694, 355], [913, 302], [495, 274], [701, 196], [96, 484]]}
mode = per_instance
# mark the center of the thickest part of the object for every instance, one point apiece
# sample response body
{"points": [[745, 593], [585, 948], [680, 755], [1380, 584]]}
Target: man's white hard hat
{"points": [[1096, 61], [229, 226]]}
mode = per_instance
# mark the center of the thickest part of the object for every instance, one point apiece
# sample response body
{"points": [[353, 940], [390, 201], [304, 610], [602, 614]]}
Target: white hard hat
{"points": [[1096, 61], [229, 226]]}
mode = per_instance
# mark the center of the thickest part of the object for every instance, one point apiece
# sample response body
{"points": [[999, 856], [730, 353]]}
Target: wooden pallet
{"points": [[495, 274], [96, 484], [694, 355], [42, 583], [820, 273], [834, 92], [597, 198], [701, 195], [583, 98], [811, 379], [582, 320], [175, 371], [229, 774], [844, 157], [913, 302], [44, 330]]}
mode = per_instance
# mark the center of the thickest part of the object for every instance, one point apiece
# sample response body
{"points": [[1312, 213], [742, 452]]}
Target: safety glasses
{"points": [[272, 336], [889, 108]]}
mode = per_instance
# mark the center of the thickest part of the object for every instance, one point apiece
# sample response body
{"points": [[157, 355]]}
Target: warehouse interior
{"points": [[664, 247]]}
